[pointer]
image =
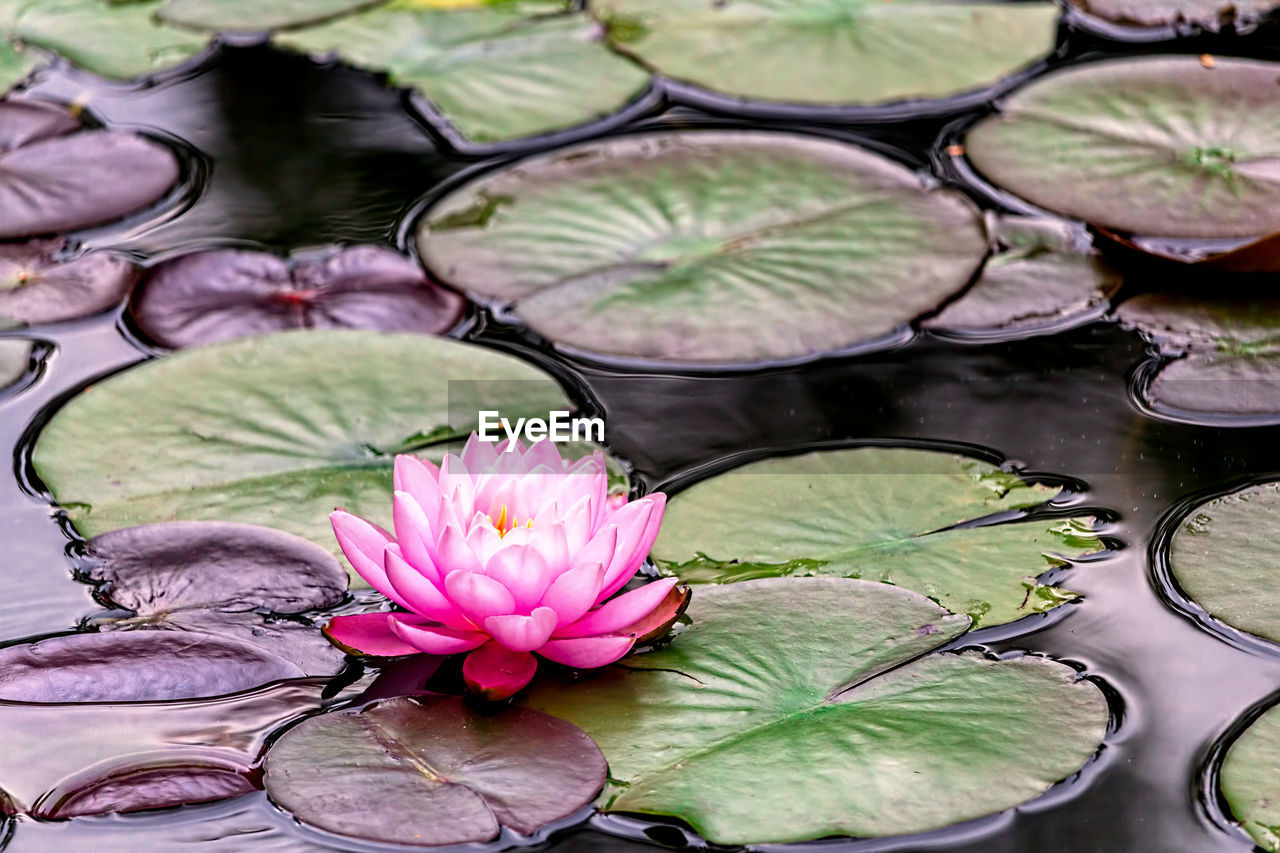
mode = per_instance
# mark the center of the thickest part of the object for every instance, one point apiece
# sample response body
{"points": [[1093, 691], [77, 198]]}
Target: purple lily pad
{"points": [[211, 296], [53, 180], [428, 771], [216, 577], [36, 288], [135, 666], [63, 760]]}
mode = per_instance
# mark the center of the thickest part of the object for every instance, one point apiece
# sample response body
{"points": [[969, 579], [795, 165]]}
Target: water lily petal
{"points": [[601, 549], [419, 479], [635, 538], [572, 594], [522, 633], [497, 673], [367, 634], [478, 596], [453, 554], [420, 594], [363, 544], [437, 639], [523, 571], [587, 652], [617, 613], [413, 532], [553, 544], [478, 454]]}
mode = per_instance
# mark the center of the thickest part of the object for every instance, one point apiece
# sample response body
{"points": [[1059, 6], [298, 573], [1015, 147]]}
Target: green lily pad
{"points": [[275, 430], [1210, 15], [882, 514], [1042, 280], [1223, 557], [495, 72], [15, 360], [706, 247], [818, 684], [1226, 351], [16, 63], [241, 15], [1166, 145], [832, 52], [426, 771], [114, 39], [1250, 781]]}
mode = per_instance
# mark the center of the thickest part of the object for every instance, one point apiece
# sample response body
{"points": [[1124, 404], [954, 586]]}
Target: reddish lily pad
{"points": [[36, 287], [214, 577], [213, 296], [135, 666], [61, 183], [427, 771], [65, 760], [25, 121], [1210, 15]]}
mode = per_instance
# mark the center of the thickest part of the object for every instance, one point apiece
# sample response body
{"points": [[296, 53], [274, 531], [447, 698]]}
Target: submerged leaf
{"points": [[706, 247], [427, 771], [879, 514], [787, 50], [870, 741], [213, 296]]}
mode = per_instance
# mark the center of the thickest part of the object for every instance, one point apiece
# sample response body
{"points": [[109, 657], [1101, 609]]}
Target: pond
{"points": [[1057, 459]]}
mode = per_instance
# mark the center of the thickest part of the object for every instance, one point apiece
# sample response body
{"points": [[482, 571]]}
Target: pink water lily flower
{"points": [[505, 556]]}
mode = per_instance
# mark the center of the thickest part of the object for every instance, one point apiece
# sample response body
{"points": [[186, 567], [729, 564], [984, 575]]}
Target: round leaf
{"points": [[212, 296], [82, 179], [63, 760], [36, 287], [221, 15], [274, 430], [1211, 15], [211, 577], [1223, 556], [860, 742], [25, 121], [706, 247], [16, 63], [135, 666], [427, 771], [496, 72], [879, 514], [1250, 783], [1228, 354], [15, 360], [1160, 145], [786, 50]]}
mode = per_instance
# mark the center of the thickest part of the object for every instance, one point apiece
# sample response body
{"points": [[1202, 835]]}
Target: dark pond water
{"points": [[294, 155]]}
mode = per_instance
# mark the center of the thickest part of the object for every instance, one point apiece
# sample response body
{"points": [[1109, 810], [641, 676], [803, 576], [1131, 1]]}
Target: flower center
{"points": [[505, 525]]}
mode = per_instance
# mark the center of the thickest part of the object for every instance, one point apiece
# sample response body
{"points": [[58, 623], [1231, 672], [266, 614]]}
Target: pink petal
{"points": [[478, 454], [367, 634], [554, 547], [483, 539], [437, 639], [477, 596], [601, 549], [618, 613], [454, 554], [522, 633], [587, 652], [420, 480], [523, 571], [422, 596], [413, 532], [363, 544], [634, 542], [545, 452], [498, 673], [572, 594]]}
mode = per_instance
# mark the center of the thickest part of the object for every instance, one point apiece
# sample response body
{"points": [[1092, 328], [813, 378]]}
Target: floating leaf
{"points": [[1223, 556], [807, 680], [36, 287], [1250, 782], [1160, 145], [63, 761], [16, 63], [211, 577], [61, 183], [15, 360], [496, 72], [275, 430], [135, 666], [785, 50], [1227, 353], [224, 15], [706, 247], [426, 771], [25, 121], [212, 296], [1042, 280], [111, 38], [1212, 15], [879, 514]]}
